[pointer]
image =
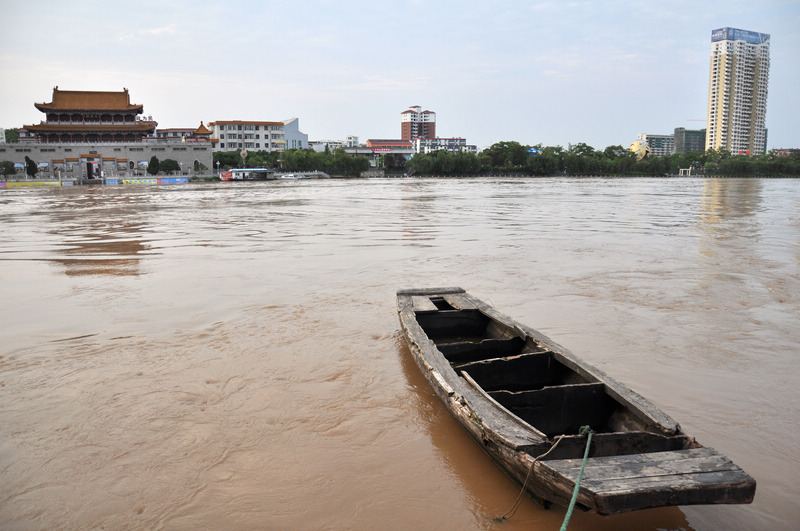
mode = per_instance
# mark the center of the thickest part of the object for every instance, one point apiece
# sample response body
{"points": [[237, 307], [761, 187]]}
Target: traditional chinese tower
{"points": [[93, 117]]}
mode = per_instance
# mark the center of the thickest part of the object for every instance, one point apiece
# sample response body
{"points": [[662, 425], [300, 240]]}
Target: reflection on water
{"points": [[102, 232], [221, 356]]}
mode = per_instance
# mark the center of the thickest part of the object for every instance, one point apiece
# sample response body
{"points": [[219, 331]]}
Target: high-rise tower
{"points": [[416, 123], [737, 91]]}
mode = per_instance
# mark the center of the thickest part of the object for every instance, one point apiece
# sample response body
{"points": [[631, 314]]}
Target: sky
{"points": [[538, 72]]}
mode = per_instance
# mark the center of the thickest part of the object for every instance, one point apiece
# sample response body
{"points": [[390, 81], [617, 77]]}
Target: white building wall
{"points": [[236, 135], [294, 138]]}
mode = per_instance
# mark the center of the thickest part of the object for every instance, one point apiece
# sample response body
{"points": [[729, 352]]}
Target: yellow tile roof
{"points": [[85, 100]]}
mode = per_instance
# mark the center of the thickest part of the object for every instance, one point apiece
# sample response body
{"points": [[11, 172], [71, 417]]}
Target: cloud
{"points": [[166, 30], [162, 31]]}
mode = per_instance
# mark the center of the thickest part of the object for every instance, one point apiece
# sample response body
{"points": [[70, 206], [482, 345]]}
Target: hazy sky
{"points": [[554, 73]]}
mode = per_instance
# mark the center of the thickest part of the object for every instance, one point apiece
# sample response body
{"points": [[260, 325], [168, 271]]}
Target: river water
{"points": [[228, 356]]}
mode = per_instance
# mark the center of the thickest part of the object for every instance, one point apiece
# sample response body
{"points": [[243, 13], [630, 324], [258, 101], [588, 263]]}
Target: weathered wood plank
{"points": [[697, 468], [636, 465], [427, 291], [422, 304], [459, 301], [621, 483]]}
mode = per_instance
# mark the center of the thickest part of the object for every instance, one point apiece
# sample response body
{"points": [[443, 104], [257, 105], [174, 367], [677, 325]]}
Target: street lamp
{"points": [[181, 168], [217, 166]]}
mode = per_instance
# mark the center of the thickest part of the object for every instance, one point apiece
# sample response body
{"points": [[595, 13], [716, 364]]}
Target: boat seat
{"points": [[466, 351], [638, 481]]}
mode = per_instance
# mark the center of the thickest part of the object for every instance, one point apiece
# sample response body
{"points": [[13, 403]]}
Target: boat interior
{"points": [[531, 382]]}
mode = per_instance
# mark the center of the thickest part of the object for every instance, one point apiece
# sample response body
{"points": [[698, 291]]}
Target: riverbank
{"points": [[50, 183]]}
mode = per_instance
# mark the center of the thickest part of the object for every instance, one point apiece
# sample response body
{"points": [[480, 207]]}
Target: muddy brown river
{"points": [[228, 356]]}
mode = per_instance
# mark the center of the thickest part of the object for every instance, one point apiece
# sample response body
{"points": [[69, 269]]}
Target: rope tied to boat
{"points": [[585, 430], [511, 512]]}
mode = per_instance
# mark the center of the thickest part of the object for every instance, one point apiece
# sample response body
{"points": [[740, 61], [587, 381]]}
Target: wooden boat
{"points": [[517, 393]]}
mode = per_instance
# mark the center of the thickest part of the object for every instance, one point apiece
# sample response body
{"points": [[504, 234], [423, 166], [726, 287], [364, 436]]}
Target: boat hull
{"points": [[517, 393]]}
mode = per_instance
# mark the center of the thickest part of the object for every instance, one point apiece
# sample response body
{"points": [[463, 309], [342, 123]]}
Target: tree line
{"points": [[513, 158], [336, 162], [504, 158]]}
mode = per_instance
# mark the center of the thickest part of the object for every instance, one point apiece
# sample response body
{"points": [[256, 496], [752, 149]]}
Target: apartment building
{"points": [[416, 123], [737, 91]]}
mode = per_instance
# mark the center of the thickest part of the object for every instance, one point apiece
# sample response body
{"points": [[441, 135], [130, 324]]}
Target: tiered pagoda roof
{"points": [[85, 100]]}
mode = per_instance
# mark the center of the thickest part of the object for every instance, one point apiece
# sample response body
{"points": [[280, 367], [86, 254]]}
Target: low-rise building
{"points": [[428, 145], [381, 145], [320, 145], [234, 135], [660, 145], [183, 134]]}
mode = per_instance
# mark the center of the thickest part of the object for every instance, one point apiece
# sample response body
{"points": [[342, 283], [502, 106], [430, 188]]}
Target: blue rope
{"points": [[585, 430]]}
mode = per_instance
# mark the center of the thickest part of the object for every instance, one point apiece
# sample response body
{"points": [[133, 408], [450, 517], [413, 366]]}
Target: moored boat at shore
{"points": [[529, 402]]}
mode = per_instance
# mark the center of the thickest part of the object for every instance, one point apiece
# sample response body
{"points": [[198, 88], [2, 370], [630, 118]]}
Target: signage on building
{"points": [[733, 34]]}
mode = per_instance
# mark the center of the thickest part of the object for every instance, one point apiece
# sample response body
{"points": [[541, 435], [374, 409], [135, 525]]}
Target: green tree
{"points": [[421, 163], [30, 167], [505, 156], [168, 166], [443, 162], [466, 163], [7, 168], [12, 136], [153, 166], [394, 161], [226, 159], [615, 152]]}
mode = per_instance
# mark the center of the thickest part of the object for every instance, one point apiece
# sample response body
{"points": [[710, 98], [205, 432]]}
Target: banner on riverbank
{"points": [[28, 184]]}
